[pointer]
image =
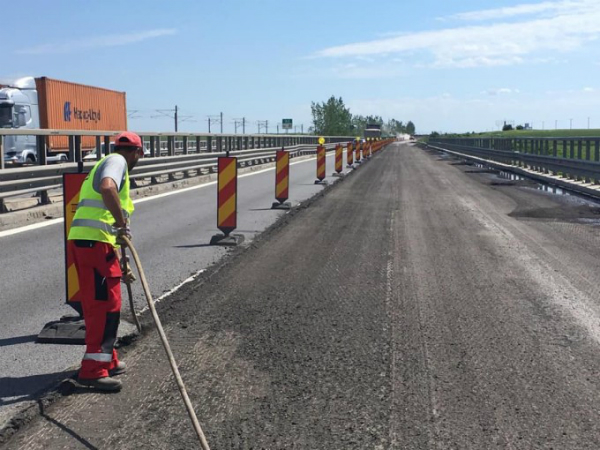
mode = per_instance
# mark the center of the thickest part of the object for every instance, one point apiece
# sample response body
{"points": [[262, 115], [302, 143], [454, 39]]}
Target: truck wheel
{"points": [[30, 159]]}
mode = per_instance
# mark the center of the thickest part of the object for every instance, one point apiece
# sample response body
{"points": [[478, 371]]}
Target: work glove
{"points": [[128, 277], [123, 231]]}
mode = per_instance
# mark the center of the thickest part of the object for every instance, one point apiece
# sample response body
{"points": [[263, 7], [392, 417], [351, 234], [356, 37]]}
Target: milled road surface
{"points": [[172, 236], [418, 304]]}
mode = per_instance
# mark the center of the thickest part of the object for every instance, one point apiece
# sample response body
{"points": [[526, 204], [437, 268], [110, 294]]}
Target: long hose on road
{"points": [[124, 267], [165, 342]]}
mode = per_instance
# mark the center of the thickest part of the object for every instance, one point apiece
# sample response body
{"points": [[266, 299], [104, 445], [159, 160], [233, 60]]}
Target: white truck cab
{"points": [[19, 110]]}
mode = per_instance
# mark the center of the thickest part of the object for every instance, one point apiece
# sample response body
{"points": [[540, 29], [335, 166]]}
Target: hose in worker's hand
{"points": [[124, 267], [165, 342]]}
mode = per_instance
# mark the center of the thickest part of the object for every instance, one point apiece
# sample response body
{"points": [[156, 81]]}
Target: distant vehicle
{"points": [[91, 156], [34, 103], [373, 130]]}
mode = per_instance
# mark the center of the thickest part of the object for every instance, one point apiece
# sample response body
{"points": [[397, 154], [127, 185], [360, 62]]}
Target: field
{"points": [[541, 133], [567, 145]]}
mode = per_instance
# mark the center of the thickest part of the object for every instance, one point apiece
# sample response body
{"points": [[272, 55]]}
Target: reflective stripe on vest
{"points": [[101, 357], [91, 203], [93, 224], [97, 204], [93, 221]]}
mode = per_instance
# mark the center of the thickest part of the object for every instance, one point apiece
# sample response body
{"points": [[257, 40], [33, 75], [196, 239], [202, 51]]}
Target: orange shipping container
{"points": [[71, 106]]}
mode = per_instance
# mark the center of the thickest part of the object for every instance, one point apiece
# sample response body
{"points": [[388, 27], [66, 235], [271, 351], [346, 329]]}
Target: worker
{"points": [[101, 219]]}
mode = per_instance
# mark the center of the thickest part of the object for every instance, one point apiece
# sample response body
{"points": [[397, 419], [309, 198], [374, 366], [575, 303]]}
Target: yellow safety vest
{"points": [[93, 221]]}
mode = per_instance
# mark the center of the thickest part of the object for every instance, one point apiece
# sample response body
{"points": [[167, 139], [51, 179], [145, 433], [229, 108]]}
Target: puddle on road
{"points": [[499, 178], [510, 176], [572, 206], [592, 222], [553, 189], [503, 175]]}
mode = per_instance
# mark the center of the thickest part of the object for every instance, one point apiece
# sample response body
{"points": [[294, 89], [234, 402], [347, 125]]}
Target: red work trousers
{"points": [[99, 275]]}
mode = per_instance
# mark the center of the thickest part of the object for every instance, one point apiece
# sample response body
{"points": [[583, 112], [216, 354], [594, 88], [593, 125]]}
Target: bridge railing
{"points": [[575, 158], [584, 148], [173, 160], [158, 144]]}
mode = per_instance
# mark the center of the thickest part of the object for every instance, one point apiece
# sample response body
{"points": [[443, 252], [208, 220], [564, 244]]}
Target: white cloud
{"points": [[96, 42], [589, 89], [564, 6], [496, 44], [501, 91], [367, 71]]}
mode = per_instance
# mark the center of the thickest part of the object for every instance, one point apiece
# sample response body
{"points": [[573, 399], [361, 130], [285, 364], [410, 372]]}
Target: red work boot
{"points": [[102, 384], [118, 370]]}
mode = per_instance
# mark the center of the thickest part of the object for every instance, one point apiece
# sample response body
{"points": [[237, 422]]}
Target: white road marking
{"points": [[34, 226], [172, 291], [48, 223]]}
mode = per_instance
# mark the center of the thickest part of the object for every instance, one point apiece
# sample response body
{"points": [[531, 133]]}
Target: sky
{"points": [[448, 66]]}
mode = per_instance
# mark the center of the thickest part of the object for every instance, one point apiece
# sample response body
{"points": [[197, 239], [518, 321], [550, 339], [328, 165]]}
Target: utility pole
{"points": [[556, 124], [214, 119], [277, 128], [221, 123], [571, 124], [240, 122], [263, 123], [588, 123], [174, 114]]}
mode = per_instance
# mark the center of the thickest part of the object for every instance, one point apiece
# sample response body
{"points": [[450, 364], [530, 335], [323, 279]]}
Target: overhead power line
{"points": [[215, 119], [240, 122], [173, 114]]}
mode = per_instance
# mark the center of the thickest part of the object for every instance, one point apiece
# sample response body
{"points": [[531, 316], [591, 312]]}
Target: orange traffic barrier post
{"points": [[70, 329], [321, 155], [339, 161], [350, 155], [282, 180], [227, 203], [357, 152]]}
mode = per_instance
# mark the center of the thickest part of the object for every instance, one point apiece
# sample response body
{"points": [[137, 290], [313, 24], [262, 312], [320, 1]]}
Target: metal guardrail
{"points": [[168, 144], [575, 158], [41, 179], [566, 147]]}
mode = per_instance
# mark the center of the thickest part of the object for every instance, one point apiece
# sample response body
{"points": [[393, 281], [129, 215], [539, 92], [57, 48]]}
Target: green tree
{"points": [[394, 127], [332, 118], [359, 123]]}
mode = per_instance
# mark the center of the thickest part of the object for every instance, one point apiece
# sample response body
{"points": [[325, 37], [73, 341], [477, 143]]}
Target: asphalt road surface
{"points": [[171, 234], [417, 304]]}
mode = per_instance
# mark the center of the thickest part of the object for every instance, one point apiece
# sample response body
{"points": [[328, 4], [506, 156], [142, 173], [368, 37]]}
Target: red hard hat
{"points": [[128, 139]]}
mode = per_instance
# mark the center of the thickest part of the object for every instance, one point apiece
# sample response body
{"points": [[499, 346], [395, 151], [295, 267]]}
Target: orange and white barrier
{"points": [[227, 202], [282, 180]]}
